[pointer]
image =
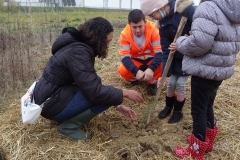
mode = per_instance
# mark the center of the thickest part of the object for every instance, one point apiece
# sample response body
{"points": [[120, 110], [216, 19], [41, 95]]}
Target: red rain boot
{"points": [[211, 135], [196, 149], [188, 138]]}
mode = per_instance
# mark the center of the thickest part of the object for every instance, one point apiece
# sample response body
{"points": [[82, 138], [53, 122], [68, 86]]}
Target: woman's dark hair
{"points": [[95, 33]]}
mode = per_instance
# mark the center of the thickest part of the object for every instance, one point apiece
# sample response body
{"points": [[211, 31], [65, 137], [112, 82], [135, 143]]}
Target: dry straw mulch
{"points": [[114, 137]]}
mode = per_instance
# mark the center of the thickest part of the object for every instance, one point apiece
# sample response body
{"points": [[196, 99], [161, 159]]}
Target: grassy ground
{"points": [[114, 137]]}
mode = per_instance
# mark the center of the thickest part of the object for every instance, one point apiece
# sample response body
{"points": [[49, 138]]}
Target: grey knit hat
{"points": [[149, 6]]}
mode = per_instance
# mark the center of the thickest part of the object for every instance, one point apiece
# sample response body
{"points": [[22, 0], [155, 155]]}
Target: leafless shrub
{"points": [[23, 55]]}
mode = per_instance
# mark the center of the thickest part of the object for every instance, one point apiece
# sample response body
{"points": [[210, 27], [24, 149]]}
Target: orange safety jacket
{"points": [[152, 43]]}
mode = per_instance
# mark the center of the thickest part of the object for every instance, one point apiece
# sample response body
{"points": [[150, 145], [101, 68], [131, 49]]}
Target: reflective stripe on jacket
{"points": [[151, 46]]}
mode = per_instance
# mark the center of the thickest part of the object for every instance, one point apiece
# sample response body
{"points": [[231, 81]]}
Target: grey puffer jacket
{"points": [[210, 51]]}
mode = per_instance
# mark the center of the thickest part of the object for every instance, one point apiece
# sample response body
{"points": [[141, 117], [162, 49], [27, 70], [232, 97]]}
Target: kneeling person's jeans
{"points": [[77, 105]]}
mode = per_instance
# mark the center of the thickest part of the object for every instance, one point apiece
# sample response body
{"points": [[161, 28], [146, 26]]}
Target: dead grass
{"points": [[114, 137]]}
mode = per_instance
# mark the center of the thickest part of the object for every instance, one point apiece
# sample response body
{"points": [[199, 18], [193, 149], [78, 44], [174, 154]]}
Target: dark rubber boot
{"points": [[71, 127], [177, 114], [167, 110]]}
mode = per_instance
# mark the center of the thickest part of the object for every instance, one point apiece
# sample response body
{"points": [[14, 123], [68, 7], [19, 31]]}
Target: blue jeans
{"points": [[77, 105]]}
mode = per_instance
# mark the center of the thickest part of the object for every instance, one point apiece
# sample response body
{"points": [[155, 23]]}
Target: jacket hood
{"points": [[230, 8], [69, 35], [181, 5], [62, 41]]}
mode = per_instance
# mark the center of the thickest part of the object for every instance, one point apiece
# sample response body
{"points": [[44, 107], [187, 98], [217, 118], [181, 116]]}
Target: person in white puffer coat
{"points": [[209, 55]]}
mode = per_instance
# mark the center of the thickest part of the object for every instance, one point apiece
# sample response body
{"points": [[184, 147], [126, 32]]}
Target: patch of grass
{"points": [[27, 33], [64, 20]]}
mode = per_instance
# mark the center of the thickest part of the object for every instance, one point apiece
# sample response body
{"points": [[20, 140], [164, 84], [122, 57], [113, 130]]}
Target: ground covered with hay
{"points": [[116, 138]]}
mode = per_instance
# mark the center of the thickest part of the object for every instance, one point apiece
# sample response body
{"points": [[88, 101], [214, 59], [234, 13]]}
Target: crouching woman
{"points": [[70, 87]]}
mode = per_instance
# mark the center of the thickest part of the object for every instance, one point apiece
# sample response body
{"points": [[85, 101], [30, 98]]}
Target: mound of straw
{"points": [[115, 137]]}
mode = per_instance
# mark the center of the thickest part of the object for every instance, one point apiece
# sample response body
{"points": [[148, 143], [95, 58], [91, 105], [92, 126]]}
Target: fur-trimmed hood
{"points": [[181, 5]]}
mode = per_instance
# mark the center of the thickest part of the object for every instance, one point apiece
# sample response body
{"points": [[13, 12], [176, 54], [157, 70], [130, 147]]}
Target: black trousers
{"points": [[203, 93]]}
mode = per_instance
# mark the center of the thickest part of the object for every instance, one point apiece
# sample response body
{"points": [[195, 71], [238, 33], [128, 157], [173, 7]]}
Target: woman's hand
{"points": [[127, 112], [132, 95]]}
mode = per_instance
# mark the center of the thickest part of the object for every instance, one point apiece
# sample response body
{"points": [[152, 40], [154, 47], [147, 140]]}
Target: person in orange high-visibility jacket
{"points": [[140, 51]]}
